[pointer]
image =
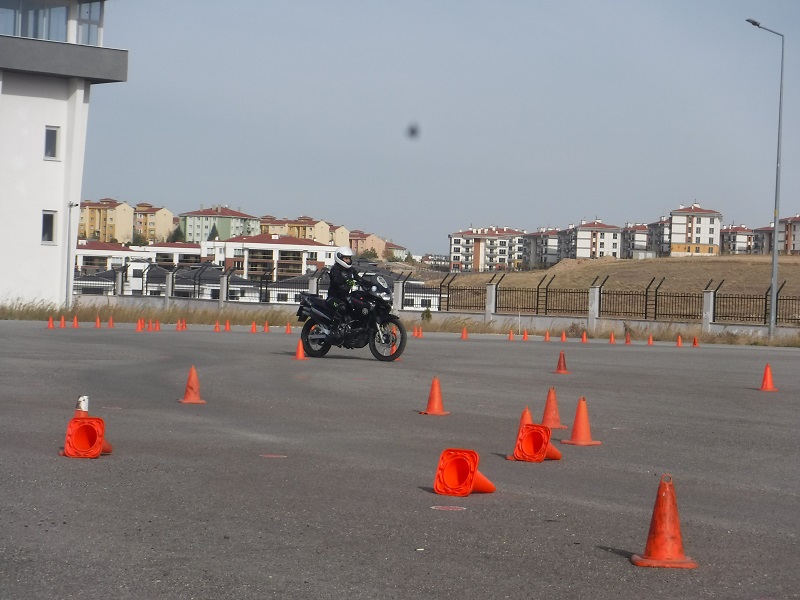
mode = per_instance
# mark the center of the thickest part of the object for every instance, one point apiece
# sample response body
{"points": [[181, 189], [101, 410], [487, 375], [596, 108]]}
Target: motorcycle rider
{"points": [[343, 281]]}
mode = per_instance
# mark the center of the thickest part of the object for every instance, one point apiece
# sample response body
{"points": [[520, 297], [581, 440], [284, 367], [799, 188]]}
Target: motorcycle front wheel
{"points": [[314, 340], [388, 341]]}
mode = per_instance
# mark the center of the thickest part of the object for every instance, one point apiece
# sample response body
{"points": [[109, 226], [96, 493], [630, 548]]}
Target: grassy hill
{"points": [[738, 274]]}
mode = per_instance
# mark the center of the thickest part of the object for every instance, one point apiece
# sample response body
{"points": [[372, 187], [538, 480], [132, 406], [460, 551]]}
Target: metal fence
{"points": [[740, 308], [463, 299], [623, 304], [679, 306]]}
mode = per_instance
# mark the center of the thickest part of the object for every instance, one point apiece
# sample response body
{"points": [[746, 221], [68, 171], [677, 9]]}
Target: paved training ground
{"points": [[313, 479]]}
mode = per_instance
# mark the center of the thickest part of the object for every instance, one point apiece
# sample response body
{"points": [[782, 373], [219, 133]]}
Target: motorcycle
{"points": [[369, 320]]}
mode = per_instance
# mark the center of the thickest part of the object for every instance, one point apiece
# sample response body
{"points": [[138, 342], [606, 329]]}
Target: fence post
{"points": [[708, 309], [491, 301], [169, 287], [397, 292], [313, 285], [119, 282], [223, 290], [594, 307]]}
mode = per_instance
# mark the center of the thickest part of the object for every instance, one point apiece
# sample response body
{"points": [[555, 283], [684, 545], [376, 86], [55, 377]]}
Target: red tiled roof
{"points": [[478, 232], [695, 210], [187, 245], [596, 225], [736, 229], [104, 246], [393, 245], [104, 203], [220, 211]]}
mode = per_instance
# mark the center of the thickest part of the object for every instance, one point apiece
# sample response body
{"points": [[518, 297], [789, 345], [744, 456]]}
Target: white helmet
{"points": [[344, 257]]}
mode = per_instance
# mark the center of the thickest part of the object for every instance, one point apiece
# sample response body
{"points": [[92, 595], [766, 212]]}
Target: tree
{"points": [[176, 235], [214, 234], [410, 259], [369, 254], [139, 239]]}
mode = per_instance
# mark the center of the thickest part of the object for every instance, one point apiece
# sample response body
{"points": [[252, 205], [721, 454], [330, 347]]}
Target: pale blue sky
{"points": [[532, 113]]}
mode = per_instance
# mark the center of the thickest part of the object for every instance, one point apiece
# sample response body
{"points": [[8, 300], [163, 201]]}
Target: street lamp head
{"points": [[753, 22]]}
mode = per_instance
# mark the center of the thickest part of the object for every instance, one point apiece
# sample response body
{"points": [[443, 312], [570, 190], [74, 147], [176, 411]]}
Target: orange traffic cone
{"points": [[458, 475], [97, 324], [111, 322], [563, 336], [157, 326], [611, 339], [149, 325], [583, 338], [253, 328], [288, 329], [50, 323], [581, 432], [524, 335], [61, 323], [419, 333], [650, 340], [435, 407], [679, 342], [627, 338], [551, 418], [216, 327], [695, 343], [561, 368], [139, 325], [546, 336], [183, 325], [300, 354], [511, 335], [533, 444], [192, 393], [75, 322], [664, 541], [178, 326], [464, 334], [227, 325], [266, 326], [84, 437], [766, 382], [526, 418], [82, 411]]}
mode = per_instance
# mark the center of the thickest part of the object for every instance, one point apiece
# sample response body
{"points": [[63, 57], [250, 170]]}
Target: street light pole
{"points": [[773, 309]]}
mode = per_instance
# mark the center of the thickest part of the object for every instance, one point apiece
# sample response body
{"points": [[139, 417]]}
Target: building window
{"points": [[711, 220], [697, 249], [48, 227], [51, 143], [90, 20], [697, 230], [697, 240], [697, 219], [711, 241]]}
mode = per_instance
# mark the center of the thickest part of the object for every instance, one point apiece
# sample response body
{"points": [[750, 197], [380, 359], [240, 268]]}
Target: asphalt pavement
{"points": [[314, 478]]}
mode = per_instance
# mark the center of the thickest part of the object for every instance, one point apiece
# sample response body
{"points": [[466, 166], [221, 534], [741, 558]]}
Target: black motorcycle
{"points": [[368, 320]]}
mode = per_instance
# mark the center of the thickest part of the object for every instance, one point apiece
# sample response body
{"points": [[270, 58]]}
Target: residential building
{"points": [[486, 249], [540, 248], [106, 220], [360, 242], [694, 231], [198, 225], [394, 251], [153, 224], [50, 56], [736, 239], [658, 236], [92, 256], [762, 239], [789, 235], [302, 227], [338, 235], [634, 240], [590, 240], [171, 254]]}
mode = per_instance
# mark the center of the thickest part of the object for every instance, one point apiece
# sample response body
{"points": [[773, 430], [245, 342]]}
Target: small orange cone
{"points": [[766, 382], [97, 324], [551, 418], [664, 541], [75, 322], [157, 326], [61, 323], [546, 336], [458, 475], [533, 444], [50, 323], [84, 437], [183, 324], [611, 339], [581, 432], [679, 342], [583, 338], [227, 325], [300, 354], [524, 335], [149, 325], [216, 326], [435, 407], [419, 335], [464, 334], [139, 325], [253, 328], [178, 326], [563, 336], [650, 340], [415, 332], [111, 322], [82, 411], [561, 368], [627, 338], [511, 335], [288, 329], [192, 393], [695, 343], [266, 326]]}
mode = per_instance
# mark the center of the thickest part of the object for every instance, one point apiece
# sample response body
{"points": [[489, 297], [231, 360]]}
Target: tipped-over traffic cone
{"points": [[533, 444], [253, 328], [581, 431], [679, 343], [664, 541], [97, 324], [611, 339], [111, 322], [546, 336], [695, 343], [551, 418], [650, 340], [524, 335], [766, 382], [300, 354], [464, 334], [50, 323], [82, 411], [84, 437], [266, 326], [61, 323], [627, 338], [458, 475], [75, 322], [583, 338], [192, 393], [561, 368], [563, 336], [435, 407], [511, 335], [288, 329]]}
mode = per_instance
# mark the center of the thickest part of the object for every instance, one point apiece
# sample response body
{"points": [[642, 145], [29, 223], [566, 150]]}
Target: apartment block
{"points": [[106, 220], [736, 239], [361, 241], [695, 231], [487, 249], [540, 248], [198, 225], [152, 223], [634, 240], [589, 240], [659, 236]]}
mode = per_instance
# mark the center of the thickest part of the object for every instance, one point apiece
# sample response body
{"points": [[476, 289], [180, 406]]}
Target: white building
{"points": [[590, 240], [634, 240], [694, 231], [540, 248], [736, 239], [486, 249], [50, 55]]}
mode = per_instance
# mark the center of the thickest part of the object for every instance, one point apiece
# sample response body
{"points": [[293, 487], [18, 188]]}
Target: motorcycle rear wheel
{"points": [[313, 338], [388, 341]]}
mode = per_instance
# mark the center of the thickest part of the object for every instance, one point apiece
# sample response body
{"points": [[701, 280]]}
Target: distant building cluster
{"points": [[688, 231]]}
